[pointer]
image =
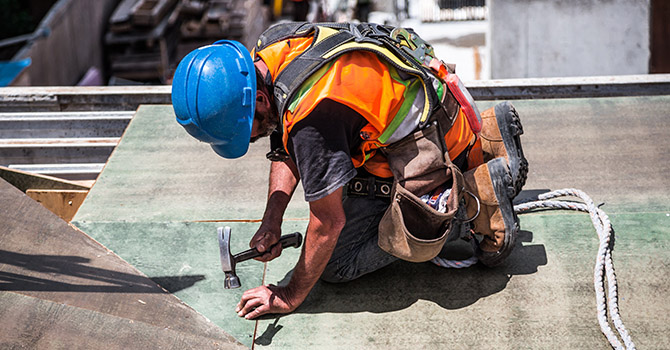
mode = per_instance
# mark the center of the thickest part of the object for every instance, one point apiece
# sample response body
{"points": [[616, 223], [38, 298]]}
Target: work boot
{"points": [[501, 128], [492, 210]]}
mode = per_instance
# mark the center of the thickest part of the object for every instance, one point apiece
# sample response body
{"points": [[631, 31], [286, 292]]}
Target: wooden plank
{"points": [[45, 258], [63, 203], [23, 181], [32, 323]]}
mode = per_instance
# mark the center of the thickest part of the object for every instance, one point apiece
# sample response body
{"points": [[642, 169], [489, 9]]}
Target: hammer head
{"points": [[227, 260]]}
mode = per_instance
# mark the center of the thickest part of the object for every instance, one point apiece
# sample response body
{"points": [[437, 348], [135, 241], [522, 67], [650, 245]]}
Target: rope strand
{"points": [[603, 272]]}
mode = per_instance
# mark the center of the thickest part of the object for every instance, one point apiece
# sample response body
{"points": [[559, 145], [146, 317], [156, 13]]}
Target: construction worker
{"points": [[337, 102]]}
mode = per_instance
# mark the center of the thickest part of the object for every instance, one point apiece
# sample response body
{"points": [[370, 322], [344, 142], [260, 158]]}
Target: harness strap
{"points": [[281, 32], [303, 66]]}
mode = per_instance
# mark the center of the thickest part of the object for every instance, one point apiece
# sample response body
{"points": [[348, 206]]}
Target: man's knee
{"points": [[331, 278], [333, 275]]}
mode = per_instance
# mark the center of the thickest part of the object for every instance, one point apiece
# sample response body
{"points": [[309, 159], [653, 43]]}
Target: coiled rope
{"points": [[603, 273]]}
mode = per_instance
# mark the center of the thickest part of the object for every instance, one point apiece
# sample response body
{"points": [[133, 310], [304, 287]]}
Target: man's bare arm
{"points": [[284, 178], [326, 221]]}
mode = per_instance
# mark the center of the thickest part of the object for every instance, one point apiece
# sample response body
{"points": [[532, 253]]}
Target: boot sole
{"points": [[511, 129], [504, 190]]}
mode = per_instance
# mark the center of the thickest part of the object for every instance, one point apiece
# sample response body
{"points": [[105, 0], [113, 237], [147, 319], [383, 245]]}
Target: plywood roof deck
{"points": [[162, 194]]}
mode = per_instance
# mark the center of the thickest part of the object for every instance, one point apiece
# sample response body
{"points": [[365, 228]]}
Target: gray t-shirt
{"points": [[321, 145]]}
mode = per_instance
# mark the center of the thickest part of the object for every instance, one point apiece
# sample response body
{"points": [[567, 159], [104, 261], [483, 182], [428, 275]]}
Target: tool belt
{"points": [[411, 229], [369, 186]]}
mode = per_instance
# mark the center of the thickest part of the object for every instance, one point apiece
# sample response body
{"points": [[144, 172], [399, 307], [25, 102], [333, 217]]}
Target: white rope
{"points": [[604, 267], [603, 272]]}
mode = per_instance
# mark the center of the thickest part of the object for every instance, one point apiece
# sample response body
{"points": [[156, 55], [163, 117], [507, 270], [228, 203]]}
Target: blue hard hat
{"points": [[213, 96]]}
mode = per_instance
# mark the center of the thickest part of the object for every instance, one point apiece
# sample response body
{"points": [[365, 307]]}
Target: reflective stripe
{"points": [[408, 117], [439, 88], [309, 83], [390, 56], [323, 33], [371, 47]]}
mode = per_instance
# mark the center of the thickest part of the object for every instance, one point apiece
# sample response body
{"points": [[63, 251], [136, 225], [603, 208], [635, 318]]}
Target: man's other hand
{"points": [[264, 239], [268, 299]]}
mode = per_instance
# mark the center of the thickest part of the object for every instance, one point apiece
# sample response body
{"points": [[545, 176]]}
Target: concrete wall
{"points": [[73, 45], [559, 38]]}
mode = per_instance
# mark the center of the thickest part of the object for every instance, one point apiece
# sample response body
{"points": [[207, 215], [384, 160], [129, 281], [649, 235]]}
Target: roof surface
{"points": [[162, 194]]}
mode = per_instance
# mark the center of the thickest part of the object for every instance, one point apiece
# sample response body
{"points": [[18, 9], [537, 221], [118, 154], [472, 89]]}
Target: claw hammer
{"points": [[228, 261]]}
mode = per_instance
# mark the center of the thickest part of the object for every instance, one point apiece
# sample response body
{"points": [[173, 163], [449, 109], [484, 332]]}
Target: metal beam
{"points": [[91, 169], [56, 150], [81, 116], [63, 124], [577, 87], [80, 98]]}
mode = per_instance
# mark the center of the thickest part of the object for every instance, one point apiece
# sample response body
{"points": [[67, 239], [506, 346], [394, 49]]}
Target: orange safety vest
{"points": [[374, 88]]}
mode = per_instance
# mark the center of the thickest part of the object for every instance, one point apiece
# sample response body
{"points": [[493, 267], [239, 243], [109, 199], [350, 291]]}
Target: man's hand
{"points": [[267, 236], [326, 221], [266, 299]]}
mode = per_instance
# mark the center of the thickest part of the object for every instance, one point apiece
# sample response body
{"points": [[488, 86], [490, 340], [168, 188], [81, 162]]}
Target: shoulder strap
{"points": [[330, 41], [303, 66], [283, 31]]}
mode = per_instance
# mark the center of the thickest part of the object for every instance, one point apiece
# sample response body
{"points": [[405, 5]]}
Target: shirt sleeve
{"points": [[321, 146]]}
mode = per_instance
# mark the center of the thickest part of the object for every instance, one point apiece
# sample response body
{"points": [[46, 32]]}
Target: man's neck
{"points": [[262, 68]]}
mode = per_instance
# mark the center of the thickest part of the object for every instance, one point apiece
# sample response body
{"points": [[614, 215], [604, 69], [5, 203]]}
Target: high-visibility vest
{"points": [[360, 67]]}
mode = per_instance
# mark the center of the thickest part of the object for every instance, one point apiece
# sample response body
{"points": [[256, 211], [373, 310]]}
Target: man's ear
{"points": [[262, 99]]}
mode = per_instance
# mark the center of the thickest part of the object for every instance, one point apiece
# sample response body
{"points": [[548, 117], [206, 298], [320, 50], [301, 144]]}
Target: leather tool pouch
{"points": [[410, 229]]}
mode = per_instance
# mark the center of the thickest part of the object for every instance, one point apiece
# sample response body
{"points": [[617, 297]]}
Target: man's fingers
{"points": [[250, 306], [246, 296], [261, 310], [276, 251], [263, 300], [256, 239], [240, 305], [265, 257]]}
